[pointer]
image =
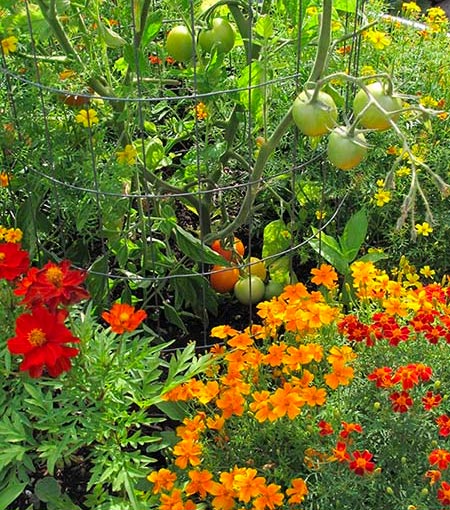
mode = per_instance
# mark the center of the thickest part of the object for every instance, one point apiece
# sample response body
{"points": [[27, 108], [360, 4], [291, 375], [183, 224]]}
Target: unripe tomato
{"points": [[220, 36], [273, 289], [226, 252], [223, 279], [179, 43], [346, 151], [257, 267], [249, 290], [373, 117], [314, 118]]}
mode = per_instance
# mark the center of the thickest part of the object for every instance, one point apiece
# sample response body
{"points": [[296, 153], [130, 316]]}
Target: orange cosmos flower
{"points": [[286, 400], [231, 402], [314, 396], [324, 275], [297, 492], [223, 496], [201, 483], [163, 479], [247, 485], [123, 317]]}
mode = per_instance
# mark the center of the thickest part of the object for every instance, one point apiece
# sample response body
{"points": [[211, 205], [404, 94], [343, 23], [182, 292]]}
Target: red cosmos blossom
{"points": [[13, 261], [431, 400], [443, 493], [401, 401], [122, 317], [40, 336], [54, 285], [382, 377], [361, 463], [439, 458], [325, 428], [443, 422]]}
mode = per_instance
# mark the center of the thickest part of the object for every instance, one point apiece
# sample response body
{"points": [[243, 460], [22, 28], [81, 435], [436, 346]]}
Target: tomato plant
{"points": [[223, 279], [257, 267], [373, 117], [226, 251], [314, 117], [344, 150], [220, 36], [249, 290], [179, 43]]}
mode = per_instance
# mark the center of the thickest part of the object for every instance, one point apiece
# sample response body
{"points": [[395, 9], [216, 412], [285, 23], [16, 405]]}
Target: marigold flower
{"points": [[341, 375], [5, 179], [401, 401], [40, 338], [349, 428], [201, 483], [379, 40], [13, 235], [127, 156], [340, 452], [382, 377], [174, 501], [361, 463], [423, 229], [200, 111], [122, 317], [223, 495], [154, 60], [162, 479], [223, 332], [325, 428], [269, 497], [87, 117], [297, 492], [187, 451], [434, 475], [427, 271], [313, 396], [411, 8], [443, 422], [13, 261], [324, 275], [443, 493], [247, 485], [440, 458], [9, 44], [231, 402], [286, 401]]}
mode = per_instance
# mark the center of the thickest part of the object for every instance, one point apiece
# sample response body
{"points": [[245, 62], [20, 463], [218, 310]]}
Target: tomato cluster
{"points": [[248, 288], [219, 36], [316, 115]]}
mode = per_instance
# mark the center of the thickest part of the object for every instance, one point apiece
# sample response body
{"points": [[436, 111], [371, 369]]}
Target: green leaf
{"points": [[264, 27], [354, 234], [47, 489], [195, 249], [173, 317], [328, 248], [97, 284], [345, 5], [12, 491], [276, 238], [174, 410], [152, 27]]}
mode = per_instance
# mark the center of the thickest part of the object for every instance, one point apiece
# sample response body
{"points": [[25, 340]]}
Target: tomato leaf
{"points": [[195, 249], [355, 231]]}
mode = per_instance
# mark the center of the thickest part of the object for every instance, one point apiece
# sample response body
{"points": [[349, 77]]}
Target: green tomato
{"points": [[345, 151], [249, 290], [273, 289], [314, 118], [179, 43], [373, 117], [220, 36]]}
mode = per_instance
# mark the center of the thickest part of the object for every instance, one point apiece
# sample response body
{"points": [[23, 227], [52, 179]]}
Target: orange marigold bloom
{"points": [[223, 332], [434, 475], [5, 179], [314, 396], [216, 422], [201, 483], [240, 341], [174, 501], [163, 479], [122, 317], [187, 452], [297, 492], [269, 497], [340, 453], [341, 375], [324, 275], [348, 428], [443, 493], [223, 496], [341, 354], [231, 403], [286, 400], [275, 354], [247, 485], [262, 407], [440, 458]]}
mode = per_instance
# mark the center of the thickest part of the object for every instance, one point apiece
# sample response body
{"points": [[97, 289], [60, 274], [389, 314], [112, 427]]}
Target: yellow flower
{"points": [[66, 74], [13, 235], [200, 111], [127, 156], [411, 8], [427, 272], [367, 71], [382, 197], [9, 45], [87, 117], [403, 171], [428, 102], [321, 215], [379, 40], [380, 183], [423, 229], [312, 11]]}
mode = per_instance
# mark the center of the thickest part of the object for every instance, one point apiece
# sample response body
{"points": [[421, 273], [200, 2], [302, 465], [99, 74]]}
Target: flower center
{"points": [[361, 462], [124, 316], [37, 337], [55, 276], [2, 256]]}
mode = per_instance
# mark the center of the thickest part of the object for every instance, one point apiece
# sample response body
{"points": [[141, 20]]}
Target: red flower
{"points": [[325, 428], [443, 422], [443, 494], [382, 377], [25, 283], [439, 458], [407, 376], [431, 400], [56, 284], [401, 401], [348, 428], [13, 261], [40, 336], [340, 453], [122, 317], [361, 463]]}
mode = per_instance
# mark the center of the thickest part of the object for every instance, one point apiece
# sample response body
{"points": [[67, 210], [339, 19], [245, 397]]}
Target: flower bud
{"points": [[389, 490], [376, 406]]}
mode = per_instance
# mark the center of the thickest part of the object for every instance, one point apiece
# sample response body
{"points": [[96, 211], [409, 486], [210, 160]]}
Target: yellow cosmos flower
{"points": [[9, 44], [379, 40], [382, 197], [427, 272], [87, 117], [423, 229]]}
